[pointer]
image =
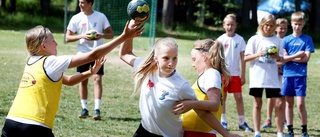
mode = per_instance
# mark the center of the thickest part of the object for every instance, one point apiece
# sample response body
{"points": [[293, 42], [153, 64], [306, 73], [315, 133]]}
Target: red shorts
{"points": [[197, 134], [234, 85]]}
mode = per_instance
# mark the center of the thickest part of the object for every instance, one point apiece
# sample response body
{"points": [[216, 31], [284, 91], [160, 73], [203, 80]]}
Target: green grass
{"points": [[120, 113]]}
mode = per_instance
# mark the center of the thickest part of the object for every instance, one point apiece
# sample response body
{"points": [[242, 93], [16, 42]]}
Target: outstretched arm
{"points": [[76, 78], [128, 33], [125, 53]]}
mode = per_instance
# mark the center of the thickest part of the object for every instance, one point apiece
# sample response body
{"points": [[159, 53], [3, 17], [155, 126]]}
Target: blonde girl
{"points": [[263, 72], [37, 100], [209, 62], [161, 87]]}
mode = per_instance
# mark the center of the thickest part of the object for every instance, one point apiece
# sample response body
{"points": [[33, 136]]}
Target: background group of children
{"points": [[165, 96], [283, 76]]}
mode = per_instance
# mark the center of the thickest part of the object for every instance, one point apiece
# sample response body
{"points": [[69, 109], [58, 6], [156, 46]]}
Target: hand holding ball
{"points": [[138, 9], [92, 34]]}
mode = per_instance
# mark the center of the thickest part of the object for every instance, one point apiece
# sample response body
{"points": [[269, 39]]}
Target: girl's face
{"points": [[50, 45], [282, 30], [166, 59], [229, 26], [268, 28], [198, 61]]}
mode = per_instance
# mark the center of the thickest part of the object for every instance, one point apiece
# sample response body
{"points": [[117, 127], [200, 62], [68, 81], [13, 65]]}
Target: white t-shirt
{"points": [[209, 79], [156, 103], [81, 23], [233, 46], [263, 70]]}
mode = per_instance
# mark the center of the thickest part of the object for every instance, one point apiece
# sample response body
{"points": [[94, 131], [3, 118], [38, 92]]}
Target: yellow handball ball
{"points": [[272, 50], [93, 34]]}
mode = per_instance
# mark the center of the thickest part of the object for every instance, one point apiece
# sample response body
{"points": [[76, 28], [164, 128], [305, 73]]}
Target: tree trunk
{"points": [[254, 20], [45, 5], [246, 13], [12, 6], [298, 4], [315, 16], [190, 10], [167, 14], [3, 4]]}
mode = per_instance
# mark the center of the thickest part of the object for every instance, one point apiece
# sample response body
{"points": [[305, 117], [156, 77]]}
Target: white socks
{"points": [[84, 104], [97, 103], [223, 117], [279, 134], [241, 119]]}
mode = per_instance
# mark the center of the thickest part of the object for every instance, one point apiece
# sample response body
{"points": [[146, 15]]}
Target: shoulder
{"points": [[99, 13], [211, 72]]}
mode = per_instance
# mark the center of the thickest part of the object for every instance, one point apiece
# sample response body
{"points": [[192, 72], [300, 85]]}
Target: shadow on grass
{"points": [[124, 119]]}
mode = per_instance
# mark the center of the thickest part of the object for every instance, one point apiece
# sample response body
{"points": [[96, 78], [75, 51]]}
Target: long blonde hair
{"points": [[214, 51], [149, 66], [34, 38], [267, 18]]}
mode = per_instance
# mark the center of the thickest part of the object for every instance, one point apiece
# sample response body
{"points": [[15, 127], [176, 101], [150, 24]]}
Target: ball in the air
{"points": [[93, 34], [138, 9], [272, 50]]}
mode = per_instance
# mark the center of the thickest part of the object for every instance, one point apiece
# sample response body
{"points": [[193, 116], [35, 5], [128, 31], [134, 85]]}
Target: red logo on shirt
{"points": [[150, 84]]}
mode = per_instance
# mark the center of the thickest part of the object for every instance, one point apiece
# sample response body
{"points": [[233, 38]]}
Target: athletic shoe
{"points": [[267, 124], [84, 113], [245, 127], [225, 125], [97, 115], [257, 135], [304, 134], [290, 134]]}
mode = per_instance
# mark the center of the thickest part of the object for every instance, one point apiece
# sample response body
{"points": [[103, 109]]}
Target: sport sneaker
{"points": [[225, 125], [304, 134], [97, 115], [245, 127], [267, 124], [258, 135], [290, 134], [84, 113]]}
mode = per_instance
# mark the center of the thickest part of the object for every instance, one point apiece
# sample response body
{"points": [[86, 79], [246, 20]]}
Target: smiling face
{"points": [[229, 26], [281, 30], [166, 58], [85, 6], [50, 45]]}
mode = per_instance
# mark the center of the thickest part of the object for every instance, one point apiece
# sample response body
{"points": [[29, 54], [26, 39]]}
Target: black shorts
{"points": [[85, 67], [141, 132], [270, 92], [16, 129]]}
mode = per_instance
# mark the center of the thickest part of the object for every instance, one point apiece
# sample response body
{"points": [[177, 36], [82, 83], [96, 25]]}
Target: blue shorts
{"points": [[294, 86]]}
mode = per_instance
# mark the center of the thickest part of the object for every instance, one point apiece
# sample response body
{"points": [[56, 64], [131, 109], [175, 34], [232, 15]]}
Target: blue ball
{"points": [[138, 9]]}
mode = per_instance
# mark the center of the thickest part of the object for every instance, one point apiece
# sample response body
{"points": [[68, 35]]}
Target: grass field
{"points": [[120, 113]]}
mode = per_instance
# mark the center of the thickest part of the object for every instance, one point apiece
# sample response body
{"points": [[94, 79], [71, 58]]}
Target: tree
{"points": [[12, 6], [3, 4], [249, 7], [167, 14], [45, 7], [315, 16]]}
